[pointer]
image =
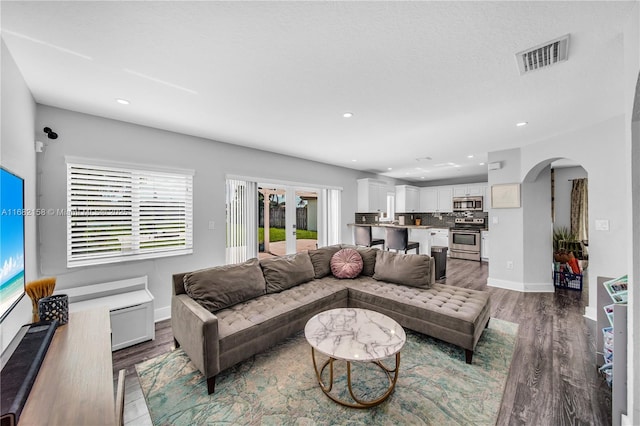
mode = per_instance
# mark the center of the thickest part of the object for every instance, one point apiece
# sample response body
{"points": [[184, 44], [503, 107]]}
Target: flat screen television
{"points": [[11, 241]]}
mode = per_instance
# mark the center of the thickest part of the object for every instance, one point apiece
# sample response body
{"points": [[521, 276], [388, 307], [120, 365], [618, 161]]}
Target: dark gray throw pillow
{"points": [[321, 260], [223, 286], [368, 260], [284, 272], [408, 269]]}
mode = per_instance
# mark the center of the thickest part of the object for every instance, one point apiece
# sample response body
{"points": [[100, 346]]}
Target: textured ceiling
{"points": [[423, 79]]}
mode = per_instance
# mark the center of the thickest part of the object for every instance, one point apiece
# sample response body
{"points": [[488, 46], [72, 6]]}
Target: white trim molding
{"points": [[520, 286]]}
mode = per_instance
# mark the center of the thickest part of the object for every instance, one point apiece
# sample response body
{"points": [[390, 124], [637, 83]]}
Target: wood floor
{"points": [[553, 378]]}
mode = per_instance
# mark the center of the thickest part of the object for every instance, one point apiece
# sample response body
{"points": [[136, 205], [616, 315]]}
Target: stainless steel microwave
{"points": [[463, 204]]}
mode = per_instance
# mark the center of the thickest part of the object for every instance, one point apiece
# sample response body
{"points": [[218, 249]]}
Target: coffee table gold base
{"points": [[359, 403]]}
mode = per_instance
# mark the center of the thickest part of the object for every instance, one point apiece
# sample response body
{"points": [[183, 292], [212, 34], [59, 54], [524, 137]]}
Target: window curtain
{"points": [[242, 220], [579, 209], [329, 212]]}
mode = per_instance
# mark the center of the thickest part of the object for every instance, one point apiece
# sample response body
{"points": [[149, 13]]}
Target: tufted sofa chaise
{"points": [[223, 315]]}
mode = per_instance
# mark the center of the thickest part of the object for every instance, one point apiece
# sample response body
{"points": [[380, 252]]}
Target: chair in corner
{"points": [[363, 237], [398, 239]]}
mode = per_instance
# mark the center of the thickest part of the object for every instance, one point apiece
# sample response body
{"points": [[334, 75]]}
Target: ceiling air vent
{"points": [[544, 55]]}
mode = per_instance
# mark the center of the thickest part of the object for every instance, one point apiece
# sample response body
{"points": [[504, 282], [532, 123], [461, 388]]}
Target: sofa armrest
{"points": [[196, 329]]}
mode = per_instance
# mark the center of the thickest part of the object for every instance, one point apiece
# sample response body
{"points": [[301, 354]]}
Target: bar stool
{"points": [[364, 238], [398, 239]]}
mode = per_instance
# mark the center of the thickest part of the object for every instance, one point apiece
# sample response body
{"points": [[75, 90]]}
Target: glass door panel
{"points": [[306, 220]]}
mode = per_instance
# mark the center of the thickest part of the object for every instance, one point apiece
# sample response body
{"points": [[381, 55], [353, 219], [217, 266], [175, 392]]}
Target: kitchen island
{"points": [[423, 234]]}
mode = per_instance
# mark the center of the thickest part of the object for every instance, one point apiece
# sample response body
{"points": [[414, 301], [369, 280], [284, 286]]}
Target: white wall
{"points": [[600, 150], [94, 137], [505, 226], [17, 154], [632, 166], [562, 195], [538, 232]]}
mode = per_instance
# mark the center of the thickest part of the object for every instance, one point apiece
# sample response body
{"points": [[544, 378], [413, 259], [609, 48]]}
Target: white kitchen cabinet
{"points": [[372, 195], [439, 237], [484, 245], [445, 199], [407, 199], [422, 236], [470, 190], [429, 199], [436, 199]]}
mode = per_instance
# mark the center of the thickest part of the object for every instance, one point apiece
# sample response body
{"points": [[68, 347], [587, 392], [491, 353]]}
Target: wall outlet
{"points": [[212, 225], [509, 264]]}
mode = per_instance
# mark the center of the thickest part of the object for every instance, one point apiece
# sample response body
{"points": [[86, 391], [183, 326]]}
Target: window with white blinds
{"points": [[242, 220], [116, 214]]}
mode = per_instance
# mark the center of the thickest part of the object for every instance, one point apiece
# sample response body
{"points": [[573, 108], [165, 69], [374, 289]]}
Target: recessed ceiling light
{"points": [[123, 101], [522, 123], [389, 168], [481, 164], [347, 115], [354, 160], [470, 156]]}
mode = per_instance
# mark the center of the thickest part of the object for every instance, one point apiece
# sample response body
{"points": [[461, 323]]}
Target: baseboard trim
{"points": [[521, 287], [162, 314], [591, 313]]}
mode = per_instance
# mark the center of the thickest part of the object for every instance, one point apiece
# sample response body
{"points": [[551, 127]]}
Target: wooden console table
{"points": [[75, 383]]}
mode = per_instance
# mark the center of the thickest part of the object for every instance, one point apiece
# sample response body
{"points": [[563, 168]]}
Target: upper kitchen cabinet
{"points": [[372, 195], [436, 199], [407, 199], [470, 190]]}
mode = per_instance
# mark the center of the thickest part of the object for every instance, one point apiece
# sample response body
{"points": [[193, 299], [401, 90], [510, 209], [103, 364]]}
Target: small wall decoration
{"points": [[505, 196]]}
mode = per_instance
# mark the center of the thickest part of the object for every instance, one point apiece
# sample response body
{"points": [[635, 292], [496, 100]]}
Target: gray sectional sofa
{"points": [[223, 315]]}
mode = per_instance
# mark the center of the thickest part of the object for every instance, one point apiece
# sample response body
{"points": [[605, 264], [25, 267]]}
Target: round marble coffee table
{"points": [[355, 335]]}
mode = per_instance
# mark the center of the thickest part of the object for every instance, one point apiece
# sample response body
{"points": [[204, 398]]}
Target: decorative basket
{"points": [[54, 307]]}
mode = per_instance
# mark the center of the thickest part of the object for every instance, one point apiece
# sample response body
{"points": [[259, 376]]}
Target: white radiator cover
{"points": [[130, 305]]}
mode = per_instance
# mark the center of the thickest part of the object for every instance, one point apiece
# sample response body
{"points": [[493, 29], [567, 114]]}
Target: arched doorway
{"points": [[555, 192]]}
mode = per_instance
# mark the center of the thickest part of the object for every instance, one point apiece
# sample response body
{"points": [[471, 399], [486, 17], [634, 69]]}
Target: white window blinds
{"points": [[242, 220], [329, 211], [116, 214]]}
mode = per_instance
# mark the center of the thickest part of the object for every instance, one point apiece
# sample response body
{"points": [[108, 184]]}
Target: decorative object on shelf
{"points": [[418, 221], [618, 289], [37, 290], [54, 308]]}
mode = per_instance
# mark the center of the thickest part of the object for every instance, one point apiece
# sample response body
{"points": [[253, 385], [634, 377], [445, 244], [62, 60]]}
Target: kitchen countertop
{"points": [[391, 225]]}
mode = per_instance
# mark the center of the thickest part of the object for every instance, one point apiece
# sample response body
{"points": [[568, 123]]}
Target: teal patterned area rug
{"points": [[279, 387]]}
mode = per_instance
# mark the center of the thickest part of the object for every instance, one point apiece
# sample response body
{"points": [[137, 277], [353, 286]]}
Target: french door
{"points": [[288, 220], [266, 219]]}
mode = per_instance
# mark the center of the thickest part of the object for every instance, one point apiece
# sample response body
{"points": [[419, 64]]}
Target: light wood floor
{"points": [[553, 378]]}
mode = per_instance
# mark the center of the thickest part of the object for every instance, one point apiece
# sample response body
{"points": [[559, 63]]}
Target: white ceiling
{"points": [[423, 79]]}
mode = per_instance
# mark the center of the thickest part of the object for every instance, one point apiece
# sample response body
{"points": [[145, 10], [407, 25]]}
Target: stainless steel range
{"points": [[464, 238]]}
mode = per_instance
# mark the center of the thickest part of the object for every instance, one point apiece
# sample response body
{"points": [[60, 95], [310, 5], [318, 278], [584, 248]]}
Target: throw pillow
{"points": [[368, 260], [223, 286], [408, 269], [346, 263], [284, 272], [321, 259]]}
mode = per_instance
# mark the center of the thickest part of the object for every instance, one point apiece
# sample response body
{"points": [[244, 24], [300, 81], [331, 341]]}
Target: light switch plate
{"points": [[602, 225], [212, 225], [494, 220]]}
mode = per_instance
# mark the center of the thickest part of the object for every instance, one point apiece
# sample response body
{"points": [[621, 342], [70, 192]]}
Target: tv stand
{"points": [[75, 383]]}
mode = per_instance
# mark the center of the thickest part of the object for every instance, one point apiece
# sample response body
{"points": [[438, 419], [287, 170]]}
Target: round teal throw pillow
{"points": [[346, 263]]}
